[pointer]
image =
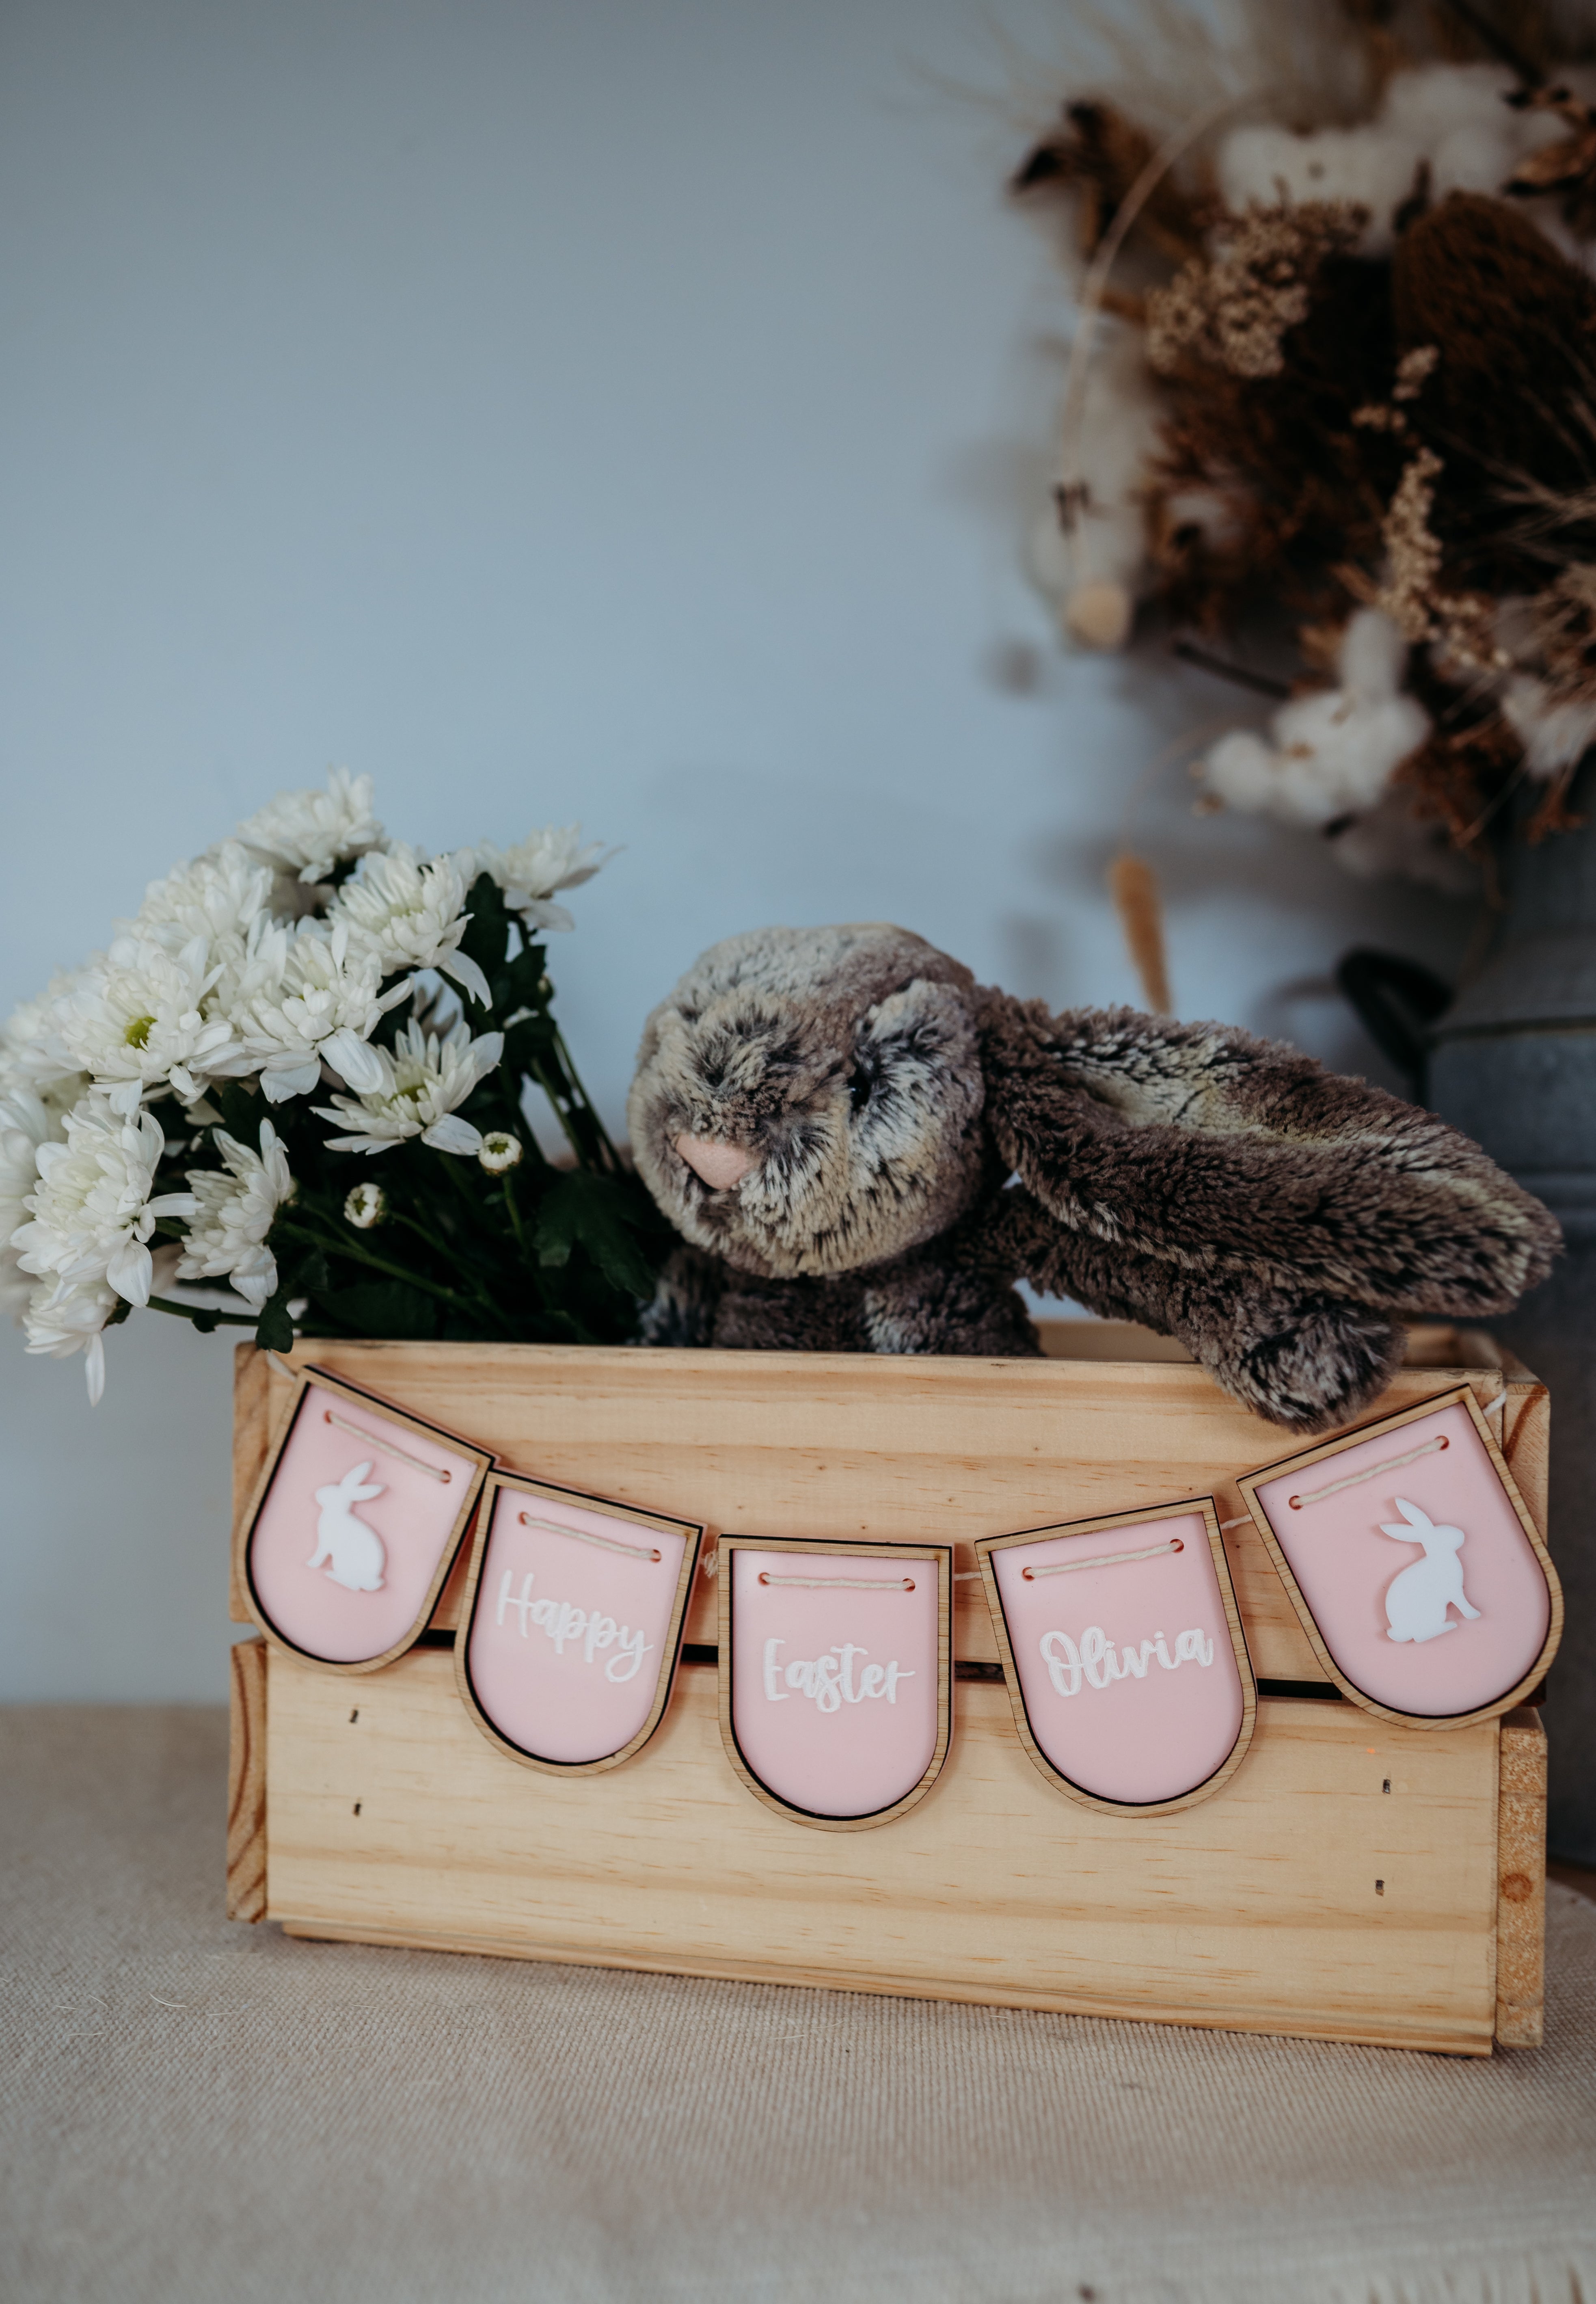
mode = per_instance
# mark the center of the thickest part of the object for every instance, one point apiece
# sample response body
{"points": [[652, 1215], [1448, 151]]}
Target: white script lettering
{"points": [[1095, 1661], [588, 1628], [828, 1679]]}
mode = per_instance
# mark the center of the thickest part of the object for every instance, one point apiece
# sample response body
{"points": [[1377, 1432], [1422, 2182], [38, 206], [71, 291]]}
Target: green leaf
{"points": [[385, 1308], [592, 1212], [274, 1331]]}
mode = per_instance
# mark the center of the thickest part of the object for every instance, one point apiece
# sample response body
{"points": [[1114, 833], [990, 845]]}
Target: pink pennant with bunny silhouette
{"points": [[355, 1523], [1413, 1564]]}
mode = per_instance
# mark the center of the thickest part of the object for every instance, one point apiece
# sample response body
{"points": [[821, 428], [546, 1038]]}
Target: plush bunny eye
{"points": [[861, 1088]]}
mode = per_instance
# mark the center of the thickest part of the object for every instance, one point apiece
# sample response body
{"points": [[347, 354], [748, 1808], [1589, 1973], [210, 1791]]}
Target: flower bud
{"points": [[500, 1150], [366, 1206]]}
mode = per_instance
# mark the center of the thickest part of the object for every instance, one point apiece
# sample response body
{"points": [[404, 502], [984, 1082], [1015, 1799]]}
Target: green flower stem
{"points": [[357, 1255], [202, 1312], [607, 1157], [515, 1213]]}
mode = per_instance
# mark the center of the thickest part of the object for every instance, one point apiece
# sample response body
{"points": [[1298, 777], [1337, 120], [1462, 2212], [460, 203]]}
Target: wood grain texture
{"points": [[247, 1782], [1521, 1882], [1256, 1912], [896, 1449]]}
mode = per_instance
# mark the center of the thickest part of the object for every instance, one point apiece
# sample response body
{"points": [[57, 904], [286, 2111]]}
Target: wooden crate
{"points": [[1354, 1880]]}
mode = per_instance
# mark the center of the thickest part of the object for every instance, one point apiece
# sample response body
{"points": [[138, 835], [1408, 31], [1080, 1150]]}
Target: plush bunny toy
{"points": [[867, 1149]]}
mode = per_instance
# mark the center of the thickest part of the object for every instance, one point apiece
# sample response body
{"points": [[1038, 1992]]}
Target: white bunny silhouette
{"points": [[356, 1551], [1417, 1600]]}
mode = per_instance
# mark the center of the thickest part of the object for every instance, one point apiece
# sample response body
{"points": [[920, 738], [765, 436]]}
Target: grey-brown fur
{"points": [[922, 1143]]}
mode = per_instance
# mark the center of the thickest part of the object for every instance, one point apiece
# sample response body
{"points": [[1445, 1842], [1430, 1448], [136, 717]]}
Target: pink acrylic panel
{"points": [[836, 1694], [344, 1576], [1360, 1585], [569, 1640], [1127, 1672]]}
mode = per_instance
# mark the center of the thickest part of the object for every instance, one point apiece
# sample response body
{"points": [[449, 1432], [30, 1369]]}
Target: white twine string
{"points": [[1356, 1480], [387, 1447], [1104, 1559], [1245, 1521], [580, 1535], [841, 1583]]}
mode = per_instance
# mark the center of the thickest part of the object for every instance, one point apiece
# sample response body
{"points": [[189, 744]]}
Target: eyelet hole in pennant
{"points": [[836, 1674], [1123, 1653], [355, 1524], [1412, 1564], [572, 1623]]}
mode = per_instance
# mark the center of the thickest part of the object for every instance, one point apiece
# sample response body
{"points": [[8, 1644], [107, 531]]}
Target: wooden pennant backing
{"points": [[1463, 1397], [502, 1485], [1202, 1506], [371, 1412], [941, 1556]]}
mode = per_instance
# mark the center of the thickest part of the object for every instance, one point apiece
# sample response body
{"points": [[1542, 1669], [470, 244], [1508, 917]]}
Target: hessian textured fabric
{"points": [[193, 2112]]}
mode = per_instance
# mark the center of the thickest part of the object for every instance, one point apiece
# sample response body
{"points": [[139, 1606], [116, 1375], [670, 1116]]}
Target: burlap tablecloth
{"points": [[197, 2112]]}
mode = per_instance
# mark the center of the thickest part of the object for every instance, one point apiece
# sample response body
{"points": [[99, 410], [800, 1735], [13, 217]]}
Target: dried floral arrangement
{"points": [[292, 1095], [1331, 410]]}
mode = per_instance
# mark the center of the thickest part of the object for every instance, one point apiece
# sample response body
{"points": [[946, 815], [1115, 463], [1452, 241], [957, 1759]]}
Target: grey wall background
{"points": [[614, 409]]}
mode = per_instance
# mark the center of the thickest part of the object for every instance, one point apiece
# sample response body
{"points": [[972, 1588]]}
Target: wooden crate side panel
{"points": [[1521, 1882], [1257, 1911], [247, 1782], [792, 1444]]}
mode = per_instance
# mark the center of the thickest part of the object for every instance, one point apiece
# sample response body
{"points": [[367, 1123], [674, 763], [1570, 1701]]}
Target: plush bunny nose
{"points": [[721, 1166]]}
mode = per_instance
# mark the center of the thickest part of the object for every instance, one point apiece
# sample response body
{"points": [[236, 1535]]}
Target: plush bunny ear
{"points": [[1213, 1152], [1295, 1355]]}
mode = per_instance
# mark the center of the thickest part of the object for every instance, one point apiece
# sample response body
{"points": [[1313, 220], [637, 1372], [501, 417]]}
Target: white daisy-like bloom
{"points": [[137, 1020], [412, 914], [307, 996], [25, 1123], [217, 896], [91, 1210], [69, 1316], [312, 832], [33, 1055], [536, 869], [499, 1151], [233, 1211], [428, 1076]]}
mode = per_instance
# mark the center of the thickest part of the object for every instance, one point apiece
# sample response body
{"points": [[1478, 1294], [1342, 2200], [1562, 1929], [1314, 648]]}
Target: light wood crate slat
{"points": [[1256, 1912], [894, 1449], [1521, 1882]]}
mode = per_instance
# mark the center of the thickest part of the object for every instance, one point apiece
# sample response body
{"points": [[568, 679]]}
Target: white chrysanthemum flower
{"points": [[499, 1151], [25, 1123], [366, 1204], [137, 1020], [306, 997], [34, 1055], [426, 1077], [69, 1316], [536, 868], [216, 896], [312, 832], [233, 1211], [91, 1208], [411, 914]]}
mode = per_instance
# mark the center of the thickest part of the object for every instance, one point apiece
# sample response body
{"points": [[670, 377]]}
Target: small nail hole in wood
{"points": [[358, 1806], [1380, 1887], [354, 1715], [1387, 1785]]}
